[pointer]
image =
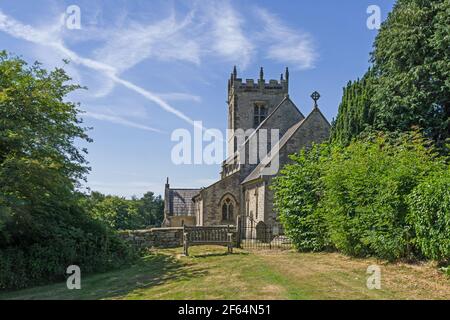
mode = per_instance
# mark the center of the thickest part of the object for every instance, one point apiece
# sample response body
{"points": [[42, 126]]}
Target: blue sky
{"points": [[155, 66]]}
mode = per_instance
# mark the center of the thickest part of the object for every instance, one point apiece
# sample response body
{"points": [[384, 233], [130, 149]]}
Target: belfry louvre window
{"points": [[260, 113]]}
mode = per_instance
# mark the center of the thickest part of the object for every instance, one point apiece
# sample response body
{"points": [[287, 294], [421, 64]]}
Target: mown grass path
{"points": [[209, 273]]}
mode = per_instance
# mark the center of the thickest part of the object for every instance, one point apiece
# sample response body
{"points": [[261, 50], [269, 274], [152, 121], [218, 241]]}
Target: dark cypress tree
{"points": [[408, 85], [355, 113]]}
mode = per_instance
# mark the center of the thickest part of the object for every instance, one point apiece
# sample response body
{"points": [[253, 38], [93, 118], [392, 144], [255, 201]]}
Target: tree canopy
{"points": [[43, 228], [126, 214], [408, 85], [39, 165]]}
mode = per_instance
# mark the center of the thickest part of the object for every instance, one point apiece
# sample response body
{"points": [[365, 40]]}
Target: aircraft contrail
{"points": [[18, 30]]}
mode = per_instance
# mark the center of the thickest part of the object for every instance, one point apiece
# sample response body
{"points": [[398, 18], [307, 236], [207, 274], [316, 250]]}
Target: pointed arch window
{"points": [[227, 210]]}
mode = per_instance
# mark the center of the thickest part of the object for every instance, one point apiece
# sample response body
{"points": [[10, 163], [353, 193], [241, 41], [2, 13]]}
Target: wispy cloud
{"points": [[228, 37], [213, 29], [286, 44], [177, 96], [207, 30], [164, 40], [119, 120], [42, 37]]}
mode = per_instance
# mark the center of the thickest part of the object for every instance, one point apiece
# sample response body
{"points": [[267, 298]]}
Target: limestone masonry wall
{"points": [[154, 238]]}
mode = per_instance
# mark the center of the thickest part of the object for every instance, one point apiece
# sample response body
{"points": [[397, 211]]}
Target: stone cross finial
{"points": [[315, 96]]}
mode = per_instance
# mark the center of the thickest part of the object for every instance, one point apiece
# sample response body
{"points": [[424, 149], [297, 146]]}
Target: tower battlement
{"points": [[236, 84], [251, 101]]}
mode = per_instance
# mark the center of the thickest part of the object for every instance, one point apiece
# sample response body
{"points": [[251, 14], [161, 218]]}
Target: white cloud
{"points": [[164, 40], [16, 29], [177, 96], [119, 120], [286, 44], [123, 107], [228, 38], [43, 37], [207, 30]]}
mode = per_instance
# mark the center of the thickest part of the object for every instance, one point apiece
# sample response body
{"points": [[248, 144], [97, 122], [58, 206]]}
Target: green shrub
{"points": [[297, 194], [88, 244], [355, 198], [366, 189], [430, 216]]}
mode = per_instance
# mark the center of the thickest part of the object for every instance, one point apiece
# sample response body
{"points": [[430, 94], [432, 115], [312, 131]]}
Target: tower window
{"points": [[260, 113]]}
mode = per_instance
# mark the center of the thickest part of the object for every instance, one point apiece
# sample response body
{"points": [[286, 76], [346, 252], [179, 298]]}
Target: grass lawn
{"points": [[209, 273]]}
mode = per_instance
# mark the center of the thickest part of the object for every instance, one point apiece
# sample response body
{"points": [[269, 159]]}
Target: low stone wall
{"points": [[154, 238]]}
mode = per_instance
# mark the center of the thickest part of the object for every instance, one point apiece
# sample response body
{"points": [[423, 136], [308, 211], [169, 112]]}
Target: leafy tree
{"points": [[39, 164], [123, 214], [43, 229], [412, 60], [151, 209], [408, 85]]}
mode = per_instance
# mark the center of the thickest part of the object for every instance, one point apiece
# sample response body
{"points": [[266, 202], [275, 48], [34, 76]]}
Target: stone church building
{"points": [[256, 108]]}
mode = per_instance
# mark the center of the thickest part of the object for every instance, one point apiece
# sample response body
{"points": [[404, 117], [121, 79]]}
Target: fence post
{"points": [[270, 237], [238, 231], [229, 240], [185, 242]]}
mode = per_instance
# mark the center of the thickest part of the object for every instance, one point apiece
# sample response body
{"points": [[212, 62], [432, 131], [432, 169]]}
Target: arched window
{"points": [[227, 210]]}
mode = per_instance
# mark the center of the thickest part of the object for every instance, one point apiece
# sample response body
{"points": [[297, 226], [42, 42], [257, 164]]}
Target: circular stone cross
{"points": [[315, 96]]}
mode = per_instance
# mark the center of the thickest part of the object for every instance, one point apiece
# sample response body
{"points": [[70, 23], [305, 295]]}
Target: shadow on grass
{"points": [[151, 271]]}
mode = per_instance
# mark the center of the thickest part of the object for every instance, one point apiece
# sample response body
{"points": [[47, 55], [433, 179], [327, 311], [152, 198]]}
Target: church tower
{"points": [[251, 102]]}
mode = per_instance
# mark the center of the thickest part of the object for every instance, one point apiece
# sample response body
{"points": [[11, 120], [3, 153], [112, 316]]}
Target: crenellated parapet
{"points": [[237, 85]]}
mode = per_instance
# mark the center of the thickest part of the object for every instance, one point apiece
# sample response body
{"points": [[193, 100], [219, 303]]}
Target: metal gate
{"points": [[253, 234]]}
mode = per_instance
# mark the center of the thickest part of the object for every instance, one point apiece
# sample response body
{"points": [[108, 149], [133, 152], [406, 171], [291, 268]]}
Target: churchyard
{"points": [[210, 273]]}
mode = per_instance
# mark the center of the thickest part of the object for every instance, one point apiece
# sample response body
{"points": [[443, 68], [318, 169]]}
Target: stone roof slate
{"points": [[257, 172], [180, 201], [285, 99]]}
